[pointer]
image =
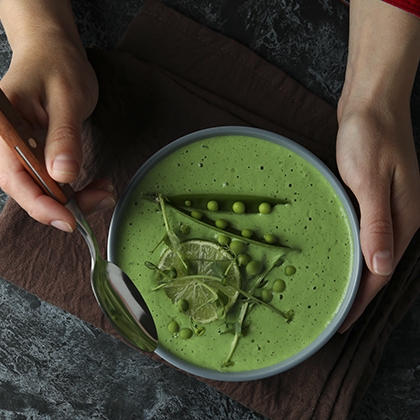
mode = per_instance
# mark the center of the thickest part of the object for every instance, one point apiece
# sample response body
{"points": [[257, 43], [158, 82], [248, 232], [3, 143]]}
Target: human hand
{"points": [[375, 149], [52, 85], [377, 160]]}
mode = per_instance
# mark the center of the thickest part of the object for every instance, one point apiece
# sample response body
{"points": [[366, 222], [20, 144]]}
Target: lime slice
{"points": [[200, 266]]}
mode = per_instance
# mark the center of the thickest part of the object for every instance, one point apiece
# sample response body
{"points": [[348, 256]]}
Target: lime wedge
{"points": [[205, 273]]}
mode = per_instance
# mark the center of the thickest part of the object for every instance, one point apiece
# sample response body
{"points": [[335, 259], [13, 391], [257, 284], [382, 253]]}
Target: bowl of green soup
{"points": [[245, 247]]}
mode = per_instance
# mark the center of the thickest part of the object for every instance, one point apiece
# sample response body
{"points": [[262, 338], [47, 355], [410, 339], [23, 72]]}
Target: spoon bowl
{"points": [[116, 294]]}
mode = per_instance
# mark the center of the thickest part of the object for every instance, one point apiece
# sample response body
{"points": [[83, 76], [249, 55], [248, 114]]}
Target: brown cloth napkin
{"points": [[168, 77]]}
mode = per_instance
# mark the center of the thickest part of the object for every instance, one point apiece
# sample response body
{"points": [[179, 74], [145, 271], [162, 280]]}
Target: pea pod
{"points": [[229, 230], [224, 201]]}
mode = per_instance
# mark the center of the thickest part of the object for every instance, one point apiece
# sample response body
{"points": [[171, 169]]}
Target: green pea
{"points": [[264, 208], [183, 305], [238, 207], [220, 223], [247, 233], [173, 327], [266, 295], [243, 259], [269, 238], [290, 270], [238, 247], [223, 240], [188, 203], [185, 333], [196, 214], [253, 267], [279, 285], [213, 205]]}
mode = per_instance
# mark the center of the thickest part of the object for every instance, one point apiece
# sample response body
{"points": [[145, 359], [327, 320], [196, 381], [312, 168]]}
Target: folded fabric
{"points": [[170, 76]]}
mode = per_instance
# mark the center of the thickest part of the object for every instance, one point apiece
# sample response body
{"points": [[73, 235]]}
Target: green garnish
{"points": [[203, 278]]}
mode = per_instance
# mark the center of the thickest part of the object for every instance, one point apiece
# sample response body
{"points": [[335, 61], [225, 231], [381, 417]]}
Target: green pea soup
{"points": [[314, 221]]}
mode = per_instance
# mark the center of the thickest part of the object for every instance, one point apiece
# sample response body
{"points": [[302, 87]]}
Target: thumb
{"points": [[63, 153], [376, 232]]}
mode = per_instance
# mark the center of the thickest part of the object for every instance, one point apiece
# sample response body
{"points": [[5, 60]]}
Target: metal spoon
{"points": [[116, 294]]}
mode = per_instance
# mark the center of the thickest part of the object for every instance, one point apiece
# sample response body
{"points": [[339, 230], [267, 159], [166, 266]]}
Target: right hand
{"points": [[53, 86], [376, 156]]}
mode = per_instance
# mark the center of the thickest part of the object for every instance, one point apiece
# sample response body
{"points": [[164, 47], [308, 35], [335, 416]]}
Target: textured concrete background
{"points": [[54, 366]]}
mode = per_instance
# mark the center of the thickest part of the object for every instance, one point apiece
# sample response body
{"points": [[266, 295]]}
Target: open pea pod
{"points": [[224, 202], [228, 230]]}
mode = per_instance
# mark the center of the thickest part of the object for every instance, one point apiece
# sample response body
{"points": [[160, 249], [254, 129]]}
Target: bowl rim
{"points": [[354, 280]]}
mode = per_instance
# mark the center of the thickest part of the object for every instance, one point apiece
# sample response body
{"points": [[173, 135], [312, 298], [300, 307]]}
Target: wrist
{"points": [[384, 52], [42, 21]]}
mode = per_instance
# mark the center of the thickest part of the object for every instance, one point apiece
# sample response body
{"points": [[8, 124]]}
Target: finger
{"points": [[369, 287], [20, 185], [377, 239], [376, 227], [63, 152], [97, 196], [62, 145], [405, 222]]}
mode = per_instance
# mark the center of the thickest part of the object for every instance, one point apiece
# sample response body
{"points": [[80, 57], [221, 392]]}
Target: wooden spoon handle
{"points": [[15, 131]]}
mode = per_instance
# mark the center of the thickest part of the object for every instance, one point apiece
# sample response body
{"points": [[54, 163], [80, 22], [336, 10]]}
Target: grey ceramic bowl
{"points": [[350, 294]]}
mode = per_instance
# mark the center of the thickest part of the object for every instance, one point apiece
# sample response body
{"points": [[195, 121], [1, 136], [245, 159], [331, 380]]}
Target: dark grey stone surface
{"points": [[55, 366]]}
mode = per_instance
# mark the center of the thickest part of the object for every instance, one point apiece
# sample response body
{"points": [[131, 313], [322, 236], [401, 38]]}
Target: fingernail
{"points": [[382, 263], [105, 204], [109, 188], [65, 164], [62, 225]]}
